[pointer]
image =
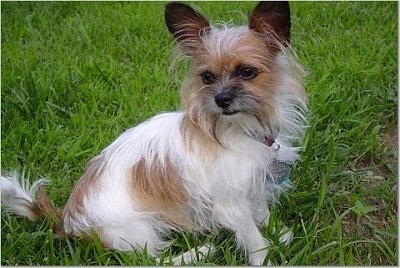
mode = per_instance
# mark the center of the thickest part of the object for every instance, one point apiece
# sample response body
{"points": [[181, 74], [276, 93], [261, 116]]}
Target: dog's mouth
{"points": [[229, 112], [241, 104]]}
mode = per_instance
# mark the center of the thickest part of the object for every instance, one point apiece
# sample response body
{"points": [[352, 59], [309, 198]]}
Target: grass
{"points": [[76, 75]]}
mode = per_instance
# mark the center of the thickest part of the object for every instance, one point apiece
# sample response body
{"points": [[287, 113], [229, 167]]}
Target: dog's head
{"points": [[234, 67]]}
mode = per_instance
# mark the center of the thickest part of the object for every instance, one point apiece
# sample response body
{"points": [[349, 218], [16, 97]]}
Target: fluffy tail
{"points": [[29, 201]]}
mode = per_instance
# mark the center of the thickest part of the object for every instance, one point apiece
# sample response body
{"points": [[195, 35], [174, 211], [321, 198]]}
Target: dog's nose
{"points": [[224, 99]]}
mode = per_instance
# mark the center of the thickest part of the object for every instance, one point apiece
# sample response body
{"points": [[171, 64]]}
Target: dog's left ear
{"points": [[186, 25], [272, 19]]}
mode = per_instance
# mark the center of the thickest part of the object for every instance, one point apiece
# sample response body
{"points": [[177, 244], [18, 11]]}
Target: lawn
{"points": [[77, 74]]}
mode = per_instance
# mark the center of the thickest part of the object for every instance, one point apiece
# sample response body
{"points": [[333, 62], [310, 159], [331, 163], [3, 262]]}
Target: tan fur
{"points": [[89, 182], [192, 136], [42, 206], [158, 188], [196, 117]]}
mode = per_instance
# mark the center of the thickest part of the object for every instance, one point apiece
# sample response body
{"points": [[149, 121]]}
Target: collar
{"points": [[271, 142], [280, 170]]}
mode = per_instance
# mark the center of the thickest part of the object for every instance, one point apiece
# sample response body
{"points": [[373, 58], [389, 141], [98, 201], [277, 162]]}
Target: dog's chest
{"points": [[238, 166]]}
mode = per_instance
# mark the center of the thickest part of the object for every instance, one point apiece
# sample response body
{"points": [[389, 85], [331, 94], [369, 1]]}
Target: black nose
{"points": [[224, 99]]}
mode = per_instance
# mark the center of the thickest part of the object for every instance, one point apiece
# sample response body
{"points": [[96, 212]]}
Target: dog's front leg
{"points": [[240, 220]]}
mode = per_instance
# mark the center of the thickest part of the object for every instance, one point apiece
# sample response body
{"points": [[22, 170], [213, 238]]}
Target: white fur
{"points": [[18, 195], [191, 255], [227, 191]]}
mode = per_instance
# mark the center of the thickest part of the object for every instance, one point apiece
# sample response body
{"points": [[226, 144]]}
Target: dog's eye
{"points": [[247, 73], [208, 77]]}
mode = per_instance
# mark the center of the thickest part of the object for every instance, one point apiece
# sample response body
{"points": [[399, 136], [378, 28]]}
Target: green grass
{"points": [[75, 75]]}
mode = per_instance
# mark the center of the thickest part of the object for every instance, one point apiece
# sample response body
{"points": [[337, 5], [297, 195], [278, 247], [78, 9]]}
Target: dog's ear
{"points": [[272, 19], [186, 25]]}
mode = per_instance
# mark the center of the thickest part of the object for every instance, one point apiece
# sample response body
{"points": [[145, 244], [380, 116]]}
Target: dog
{"points": [[220, 162]]}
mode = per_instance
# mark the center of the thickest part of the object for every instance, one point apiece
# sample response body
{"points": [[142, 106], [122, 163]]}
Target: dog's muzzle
{"points": [[224, 101]]}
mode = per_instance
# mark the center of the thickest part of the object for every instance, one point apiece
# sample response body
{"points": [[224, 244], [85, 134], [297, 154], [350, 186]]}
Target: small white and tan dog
{"points": [[210, 165]]}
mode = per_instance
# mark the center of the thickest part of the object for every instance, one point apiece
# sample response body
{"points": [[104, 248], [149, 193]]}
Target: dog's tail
{"points": [[30, 201]]}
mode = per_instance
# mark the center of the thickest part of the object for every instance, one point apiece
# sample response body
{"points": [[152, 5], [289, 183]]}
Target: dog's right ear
{"points": [[186, 25]]}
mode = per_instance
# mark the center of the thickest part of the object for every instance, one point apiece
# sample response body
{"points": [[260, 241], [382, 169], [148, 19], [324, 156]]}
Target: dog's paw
{"points": [[285, 236], [191, 255], [257, 258]]}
